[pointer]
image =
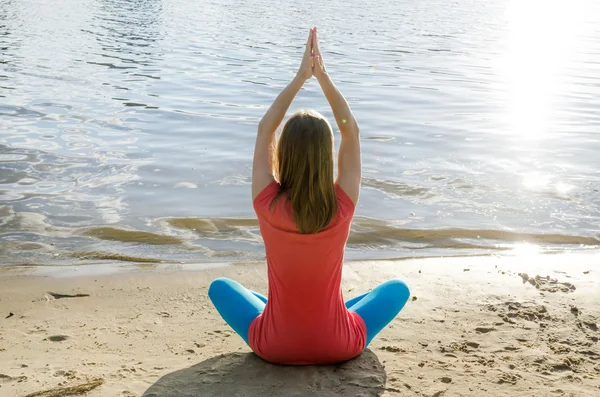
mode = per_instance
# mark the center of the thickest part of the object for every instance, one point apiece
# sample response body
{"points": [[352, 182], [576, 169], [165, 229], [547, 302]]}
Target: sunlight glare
{"points": [[538, 47], [535, 181], [525, 249], [563, 188]]}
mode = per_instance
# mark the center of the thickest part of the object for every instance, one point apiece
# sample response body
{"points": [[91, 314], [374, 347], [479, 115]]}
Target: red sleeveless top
{"points": [[305, 320]]}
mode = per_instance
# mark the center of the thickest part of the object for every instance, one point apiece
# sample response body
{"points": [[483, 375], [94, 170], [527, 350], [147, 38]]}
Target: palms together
{"points": [[312, 61], [318, 66]]}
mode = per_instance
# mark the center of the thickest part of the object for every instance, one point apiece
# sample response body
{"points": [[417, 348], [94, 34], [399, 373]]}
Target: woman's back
{"points": [[305, 320], [305, 221]]}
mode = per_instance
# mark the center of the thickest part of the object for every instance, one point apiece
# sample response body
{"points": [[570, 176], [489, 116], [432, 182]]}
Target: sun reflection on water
{"points": [[525, 249], [539, 44]]}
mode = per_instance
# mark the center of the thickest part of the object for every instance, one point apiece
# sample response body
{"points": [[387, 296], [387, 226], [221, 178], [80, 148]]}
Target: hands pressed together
{"points": [[312, 60]]}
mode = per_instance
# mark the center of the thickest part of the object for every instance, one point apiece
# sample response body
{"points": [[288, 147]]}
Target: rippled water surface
{"points": [[127, 126]]}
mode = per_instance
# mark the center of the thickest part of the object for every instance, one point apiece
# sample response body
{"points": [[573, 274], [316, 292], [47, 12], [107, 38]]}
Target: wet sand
{"points": [[503, 326]]}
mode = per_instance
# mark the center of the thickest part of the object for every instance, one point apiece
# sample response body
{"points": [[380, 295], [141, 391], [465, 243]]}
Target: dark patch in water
{"points": [[112, 257], [396, 188], [373, 231], [218, 228], [131, 236]]}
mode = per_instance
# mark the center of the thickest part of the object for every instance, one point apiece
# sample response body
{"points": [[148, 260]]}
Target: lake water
{"points": [[127, 127]]}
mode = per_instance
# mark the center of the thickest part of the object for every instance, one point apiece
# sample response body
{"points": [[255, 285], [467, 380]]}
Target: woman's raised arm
{"points": [[262, 166], [349, 161]]}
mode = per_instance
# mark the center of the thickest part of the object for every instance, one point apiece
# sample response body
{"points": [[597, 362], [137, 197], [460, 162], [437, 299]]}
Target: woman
{"points": [[304, 219]]}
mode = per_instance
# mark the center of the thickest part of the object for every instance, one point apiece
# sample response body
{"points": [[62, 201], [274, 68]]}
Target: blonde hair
{"points": [[303, 164]]}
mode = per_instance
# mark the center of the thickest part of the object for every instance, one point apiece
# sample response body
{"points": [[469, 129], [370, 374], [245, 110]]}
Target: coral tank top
{"points": [[305, 320]]}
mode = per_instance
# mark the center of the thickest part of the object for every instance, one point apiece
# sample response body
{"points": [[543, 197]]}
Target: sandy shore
{"points": [[475, 326]]}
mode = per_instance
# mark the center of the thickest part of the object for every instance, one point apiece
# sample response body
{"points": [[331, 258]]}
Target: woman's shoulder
{"points": [[344, 201], [264, 199]]}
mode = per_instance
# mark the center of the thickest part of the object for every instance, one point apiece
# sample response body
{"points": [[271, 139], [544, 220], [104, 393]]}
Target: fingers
{"points": [[309, 42], [317, 58], [315, 43], [317, 64]]}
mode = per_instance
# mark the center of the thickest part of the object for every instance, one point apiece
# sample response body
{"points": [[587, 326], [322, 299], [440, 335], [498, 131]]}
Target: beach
{"points": [[522, 325]]}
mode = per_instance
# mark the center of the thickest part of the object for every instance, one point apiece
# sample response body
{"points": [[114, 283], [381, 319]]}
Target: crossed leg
{"points": [[236, 304], [239, 306], [378, 307]]}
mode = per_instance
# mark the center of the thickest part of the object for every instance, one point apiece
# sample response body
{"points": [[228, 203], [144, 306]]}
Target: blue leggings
{"points": [[239, 306]]}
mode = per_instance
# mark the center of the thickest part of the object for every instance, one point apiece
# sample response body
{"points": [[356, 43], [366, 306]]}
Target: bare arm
{"points": [[262, 165], [349, 161]]}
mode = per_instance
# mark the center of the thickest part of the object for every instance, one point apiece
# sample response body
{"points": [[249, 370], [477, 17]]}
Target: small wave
{"points": [[376, 232], [380, 138], [19, 111], [398, 189], [369, 231], [185, 185], [130, 236], [109, 256], [218, 228]]}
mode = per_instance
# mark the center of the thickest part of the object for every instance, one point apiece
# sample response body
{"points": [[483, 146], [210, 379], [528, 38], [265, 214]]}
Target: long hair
{"points": [[303, 164]]}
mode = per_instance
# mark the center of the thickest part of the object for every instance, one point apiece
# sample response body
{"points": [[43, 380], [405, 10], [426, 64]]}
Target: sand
{"points": [[522, 325]]}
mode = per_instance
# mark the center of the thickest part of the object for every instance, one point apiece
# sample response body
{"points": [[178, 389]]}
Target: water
{"points": [[127, 127]]}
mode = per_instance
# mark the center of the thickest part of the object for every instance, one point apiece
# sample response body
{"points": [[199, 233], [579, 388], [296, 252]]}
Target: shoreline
{"points": [[475, 324], [108, 268]]}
